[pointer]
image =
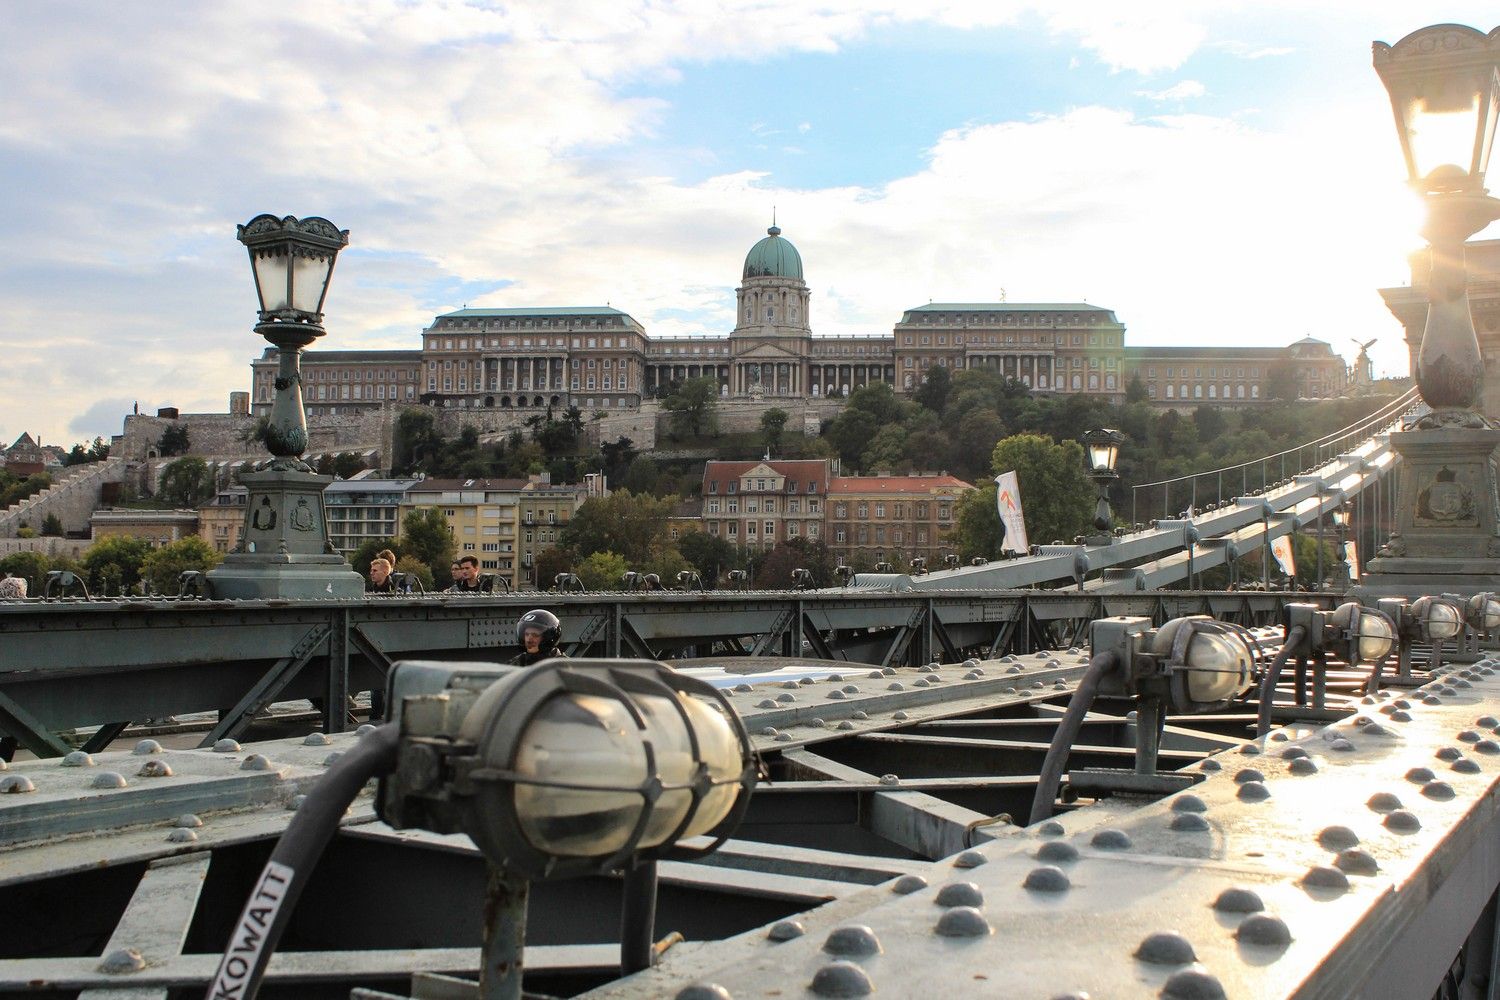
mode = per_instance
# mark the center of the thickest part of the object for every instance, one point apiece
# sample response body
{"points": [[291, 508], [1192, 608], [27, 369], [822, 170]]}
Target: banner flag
{"points": [[1351, 556], [1008, 503], [1281, 550]]}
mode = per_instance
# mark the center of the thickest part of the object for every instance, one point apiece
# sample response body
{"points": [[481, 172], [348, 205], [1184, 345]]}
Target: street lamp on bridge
{"points": [[1102, 448], [284, 550], [1444, 86]]}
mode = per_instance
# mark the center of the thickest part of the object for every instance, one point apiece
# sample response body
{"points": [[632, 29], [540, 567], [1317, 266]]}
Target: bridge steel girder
{"points": [[1355, 874], [65, 665]]}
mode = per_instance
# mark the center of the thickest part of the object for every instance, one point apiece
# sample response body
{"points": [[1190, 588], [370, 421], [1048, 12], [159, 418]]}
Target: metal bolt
{"points": [[783, 737], [786, 930], [77, 758], [1250, 750], [122, 960], [1420, 775], [817, 724], [328, 761], [875, 675], [1302, 766], [1046, 878], [1468, 736], [835, 678], [1209, 765], [804, 681], [1189, 803], [1265, 930], [256, 762], [703, 991], [850, 689], [1324, 877], [786, 699], [1051, 828], [963, 921], [1448, 753], [1376, 729], [1402, 821], [364, 731], [959, 894], [1341, 745], [1487, 746], [1383, 802], [765, 703], [227, 746], [1254, 791], [900, 716], [908, 884], [1356, 862], [890, 779], [1279, 737], [1432, 699], [1466, 766], [1400, 716], [316, 740], [1111, 840], [1248, 774], [1058, 851], [105, 779], [768, 731], [145, 747], [1188, 823], [1238, 900], [155, 769], [969, 859], [16, 784], [920, 682], [187, 820], [181, 835], [1166, 948], [1487, 721], [842, 979], [1337, 838], [861, 715], [743, 688], [1013, 670], [895, 686], [1440, 791], [1192, 984], [846, 725], [854, 939]]}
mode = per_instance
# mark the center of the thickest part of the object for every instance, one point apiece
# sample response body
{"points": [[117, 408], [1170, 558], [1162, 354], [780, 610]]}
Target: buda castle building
{"points": [[601, 359]]}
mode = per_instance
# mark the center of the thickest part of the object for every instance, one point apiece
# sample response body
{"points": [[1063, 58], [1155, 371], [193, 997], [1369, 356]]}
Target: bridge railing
{"points": [[1181, 496]]}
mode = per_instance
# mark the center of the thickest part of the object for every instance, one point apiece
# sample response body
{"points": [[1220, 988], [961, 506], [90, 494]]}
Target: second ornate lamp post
{"points": [[1102, 447], [284, 550], [1444, 85]]}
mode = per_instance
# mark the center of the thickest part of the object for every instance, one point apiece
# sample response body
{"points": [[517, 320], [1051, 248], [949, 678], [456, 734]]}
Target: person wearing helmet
{"points": [[537, 633]]}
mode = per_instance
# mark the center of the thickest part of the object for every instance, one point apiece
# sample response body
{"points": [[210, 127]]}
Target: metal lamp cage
{"points": [[516, 701], [1178, 669]]}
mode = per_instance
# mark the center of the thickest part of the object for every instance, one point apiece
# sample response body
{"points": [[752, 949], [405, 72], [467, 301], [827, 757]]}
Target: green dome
{"points": [[773, 257]]}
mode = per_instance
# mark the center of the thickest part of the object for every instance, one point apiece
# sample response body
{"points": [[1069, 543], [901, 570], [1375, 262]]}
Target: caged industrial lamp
{"points": [[1190, 665], [1352, 632], [565, 769], [561, 769]]}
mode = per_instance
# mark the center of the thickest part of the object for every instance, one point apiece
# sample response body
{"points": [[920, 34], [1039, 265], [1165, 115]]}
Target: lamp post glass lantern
{"points": [[284, 549], [1102, 448], [1443, 86]]}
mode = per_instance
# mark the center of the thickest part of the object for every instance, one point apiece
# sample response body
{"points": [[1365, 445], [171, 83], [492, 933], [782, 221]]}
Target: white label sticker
{"points": [[249, 937]]}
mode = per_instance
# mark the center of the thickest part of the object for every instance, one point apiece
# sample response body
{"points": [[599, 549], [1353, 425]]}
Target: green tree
{"points": [[1135, 390], [162, 567], [113, 563], [933, 392], [632, 525], [186, 482], [14, 490], [693, 404], [1211, 423], [33, 566], [601, 570], [1056, 496], [417, 443], [772, 425], [850, 435], [774, 570], [709, 554], [615, 458], [643, 476], [174, 441], [77, 455], [1281, 380], [552, 561], [52, 526], [428, 538], [886, 451], [977, 529]]}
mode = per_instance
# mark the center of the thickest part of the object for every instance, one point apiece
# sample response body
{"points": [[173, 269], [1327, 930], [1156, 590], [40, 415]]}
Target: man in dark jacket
{"points": [[538, 633]]}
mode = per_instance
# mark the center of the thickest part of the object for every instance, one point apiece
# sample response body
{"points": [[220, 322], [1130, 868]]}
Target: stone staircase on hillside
{"points": [[73, 498]]}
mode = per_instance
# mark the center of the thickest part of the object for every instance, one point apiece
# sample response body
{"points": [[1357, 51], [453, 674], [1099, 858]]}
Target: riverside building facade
{"points": [[599, 358]]}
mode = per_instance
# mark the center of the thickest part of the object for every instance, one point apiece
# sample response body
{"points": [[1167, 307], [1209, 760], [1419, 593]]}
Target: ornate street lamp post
{"points": [[1444, 86], [1102, 448], [284, 550]]}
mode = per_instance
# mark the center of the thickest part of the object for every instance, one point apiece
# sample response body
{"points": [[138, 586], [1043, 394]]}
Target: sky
{"points": [[1214, 172]]}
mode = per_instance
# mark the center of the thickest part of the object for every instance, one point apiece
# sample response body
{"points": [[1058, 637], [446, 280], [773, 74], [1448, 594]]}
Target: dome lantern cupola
{"points": [[773, 257]]}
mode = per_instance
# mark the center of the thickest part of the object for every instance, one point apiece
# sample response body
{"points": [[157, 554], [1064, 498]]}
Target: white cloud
{"points": [[469, 147], [1183, 91]]}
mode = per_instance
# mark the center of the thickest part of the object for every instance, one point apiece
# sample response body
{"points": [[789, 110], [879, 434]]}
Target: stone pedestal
{"points": [[1447, 538], [284, 551]]}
